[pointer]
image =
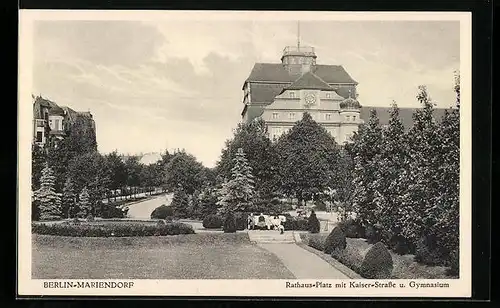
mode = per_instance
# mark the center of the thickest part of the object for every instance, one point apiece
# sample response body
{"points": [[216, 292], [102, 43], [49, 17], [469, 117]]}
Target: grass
{"points": [[404, 266], [194, 256]]}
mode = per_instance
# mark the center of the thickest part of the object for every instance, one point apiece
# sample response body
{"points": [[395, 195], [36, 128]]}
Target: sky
{"points": [[156, 85]]}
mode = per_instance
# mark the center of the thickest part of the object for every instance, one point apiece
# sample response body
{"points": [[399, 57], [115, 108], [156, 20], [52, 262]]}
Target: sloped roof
{"points": [[265, 92], [276, 72], [311, 81]]}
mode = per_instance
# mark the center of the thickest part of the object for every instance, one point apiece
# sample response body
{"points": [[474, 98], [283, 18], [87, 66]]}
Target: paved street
{"points": [[143, 209]]}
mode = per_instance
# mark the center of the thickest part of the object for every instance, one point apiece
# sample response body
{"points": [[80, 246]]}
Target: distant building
{"points": [[279, 93], [51, 119]]}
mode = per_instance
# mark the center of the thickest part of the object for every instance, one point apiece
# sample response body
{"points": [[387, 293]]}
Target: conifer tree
{"points": [[391, 164], [84, 207], [68, 198], [47, 198], [446, 228], [237, 193], [366, 151], [180, 203], [418, 205]]}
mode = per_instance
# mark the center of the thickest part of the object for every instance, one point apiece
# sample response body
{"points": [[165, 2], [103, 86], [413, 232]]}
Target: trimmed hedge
{"points": [[377, 263], [313, 223], [316, 241], [162, 212], [82, 229], [296, 224], [335, 240], [212, 222]]}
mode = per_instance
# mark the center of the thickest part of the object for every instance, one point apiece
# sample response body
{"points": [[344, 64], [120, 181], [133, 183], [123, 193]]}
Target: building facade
{"points": [[51, 120], [279, 93]]}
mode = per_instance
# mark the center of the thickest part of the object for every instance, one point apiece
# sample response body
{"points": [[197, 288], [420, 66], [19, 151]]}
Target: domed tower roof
{"points": [[350, 103]]}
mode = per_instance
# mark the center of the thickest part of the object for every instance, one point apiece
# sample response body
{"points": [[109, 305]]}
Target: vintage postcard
{"points": [[250, 154]]}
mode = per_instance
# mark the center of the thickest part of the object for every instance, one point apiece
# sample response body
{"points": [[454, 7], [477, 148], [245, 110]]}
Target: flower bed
{"points": [[111, 229], [404, 266]]}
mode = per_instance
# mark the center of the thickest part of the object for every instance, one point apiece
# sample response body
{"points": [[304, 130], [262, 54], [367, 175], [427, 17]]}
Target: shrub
{"points": [[352, 228], [313, 223], [106, 229], [112, 211], [162, 212], [229, 223], [212, 222], [426, 252], [377, 263], [350, 257], [296, 223], [454, 264], [335, 240], [317, 242], [241, 220], [372, 234], [400, 245]]}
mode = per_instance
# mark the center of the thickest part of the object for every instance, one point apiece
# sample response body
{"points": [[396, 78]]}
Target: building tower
{"points": [[298, 60], [350, 110]]}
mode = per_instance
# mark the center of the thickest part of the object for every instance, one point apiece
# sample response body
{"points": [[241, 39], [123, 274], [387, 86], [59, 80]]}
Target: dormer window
{"points": [[354, 118]]}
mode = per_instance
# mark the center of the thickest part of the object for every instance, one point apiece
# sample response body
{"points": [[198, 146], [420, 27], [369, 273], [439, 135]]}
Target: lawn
{"points": [[193, 256]]}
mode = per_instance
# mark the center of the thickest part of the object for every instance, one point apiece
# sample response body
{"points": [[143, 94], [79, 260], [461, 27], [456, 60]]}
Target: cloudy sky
{"points": [[177, 84]]}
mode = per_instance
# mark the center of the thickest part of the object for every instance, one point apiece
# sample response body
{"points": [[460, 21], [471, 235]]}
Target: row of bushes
{"points": [[291, 223], [82, 229], [376, 264], [425, 250]]}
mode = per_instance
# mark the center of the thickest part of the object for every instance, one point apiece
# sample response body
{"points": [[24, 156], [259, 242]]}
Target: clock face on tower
{"points": [[310, 99]]}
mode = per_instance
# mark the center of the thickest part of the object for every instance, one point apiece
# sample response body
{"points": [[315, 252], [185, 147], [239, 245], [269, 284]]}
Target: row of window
{"points": [[292, 95], [292, 116]]}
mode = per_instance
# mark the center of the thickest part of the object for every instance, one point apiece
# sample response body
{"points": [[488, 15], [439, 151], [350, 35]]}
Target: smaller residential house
{"points": [[51, 119]]}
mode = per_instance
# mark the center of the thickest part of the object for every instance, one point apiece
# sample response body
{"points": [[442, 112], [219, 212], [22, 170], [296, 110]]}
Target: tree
{"points": [[180, 203], [38, 160], [117, 170], [46, 197], [237, 193], [80, 136], [418, 206], [365, 150], [307, 158], [390, 168], [68, 199], [183, 170], [207, 202], [261, 155], [84, 206], [446, 228], [91, 171], [133, 167]]}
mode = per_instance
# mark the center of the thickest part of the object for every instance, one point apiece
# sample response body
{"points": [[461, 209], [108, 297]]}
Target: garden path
{"points": [[302, 263], [143, 210]]}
